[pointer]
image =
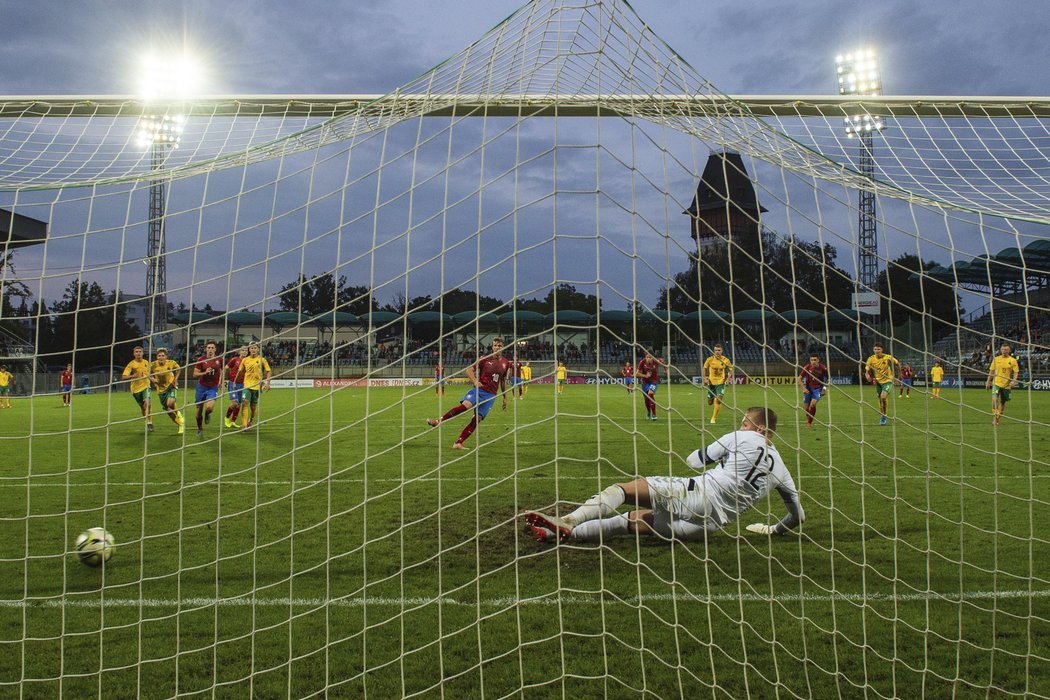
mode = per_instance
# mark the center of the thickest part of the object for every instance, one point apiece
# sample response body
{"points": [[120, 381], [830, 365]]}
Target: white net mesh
{"points": [[532, 187]]}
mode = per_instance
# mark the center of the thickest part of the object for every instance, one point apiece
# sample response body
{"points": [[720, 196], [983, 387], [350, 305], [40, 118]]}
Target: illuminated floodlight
{"points": [[160, 130], [169, 77], [858, 74]]}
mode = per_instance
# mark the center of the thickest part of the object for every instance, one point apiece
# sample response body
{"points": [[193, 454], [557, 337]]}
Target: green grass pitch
{"points": [[343, 548]]}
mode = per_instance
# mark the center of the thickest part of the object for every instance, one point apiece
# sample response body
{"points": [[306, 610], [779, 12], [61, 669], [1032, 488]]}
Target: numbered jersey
{"points": [[745, 468], [489, 371]]}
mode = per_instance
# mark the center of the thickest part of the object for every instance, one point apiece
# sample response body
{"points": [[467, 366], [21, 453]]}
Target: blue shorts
{"points": [[234, 390], [813, 394], [481, 400], [515, 381], [206, 393], [906, 382], [66, 388], [628, 380], [649, 388]]}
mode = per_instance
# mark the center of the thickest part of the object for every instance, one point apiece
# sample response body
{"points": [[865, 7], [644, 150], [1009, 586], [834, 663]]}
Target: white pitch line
{"points": [[510, 602]]}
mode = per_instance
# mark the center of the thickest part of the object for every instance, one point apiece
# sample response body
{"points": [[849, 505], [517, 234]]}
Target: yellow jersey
{"points": [[164, 374], [526, 373], [561, 372], [881, 367], [5, 378], [717, 368], [138, 372], [937, 374], [254, 368], [1005, 370]]}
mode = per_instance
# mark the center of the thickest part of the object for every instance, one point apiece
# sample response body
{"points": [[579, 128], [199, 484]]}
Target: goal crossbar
{"points": [[503, 105]]}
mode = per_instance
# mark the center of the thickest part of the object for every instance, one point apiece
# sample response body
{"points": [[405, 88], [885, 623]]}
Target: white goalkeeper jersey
{"points": [[747, 468]]}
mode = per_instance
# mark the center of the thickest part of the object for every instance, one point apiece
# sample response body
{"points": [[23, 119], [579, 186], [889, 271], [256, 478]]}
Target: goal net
{"points": [[570, 185]]}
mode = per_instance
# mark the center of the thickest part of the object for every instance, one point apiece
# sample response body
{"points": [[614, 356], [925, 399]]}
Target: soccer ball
{"points": [[94, 546]]}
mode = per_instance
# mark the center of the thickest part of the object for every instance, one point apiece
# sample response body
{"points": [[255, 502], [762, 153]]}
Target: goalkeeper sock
{"points": [[597, 506], [598, 530]]}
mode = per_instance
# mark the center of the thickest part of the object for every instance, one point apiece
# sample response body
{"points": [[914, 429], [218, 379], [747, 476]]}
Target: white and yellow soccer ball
{"points": [[94, 546]]}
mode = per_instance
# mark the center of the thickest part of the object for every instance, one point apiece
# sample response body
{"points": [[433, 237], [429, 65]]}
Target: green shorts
{"points": [[1002, 392], [170, 395], [4, 390], [141, 397], [249, 395], [886, 388], [716, 391], [561, 381]]}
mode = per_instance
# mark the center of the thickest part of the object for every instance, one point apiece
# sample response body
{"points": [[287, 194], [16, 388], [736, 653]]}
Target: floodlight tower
{"points": [[160, 129], [858, 74]]}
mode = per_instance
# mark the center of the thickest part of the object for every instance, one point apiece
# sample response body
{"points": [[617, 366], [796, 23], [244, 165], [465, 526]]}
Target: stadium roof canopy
{"points": [[193, 316], [509, 318], [706, 316], [434, 317], [380, 318], [243, 318], [333, 319], [613, 316], [17, 230], [753, 315], [1009, 270], [659, 316], [467, 318], [801, 315], [569, 316], [282, 319]]}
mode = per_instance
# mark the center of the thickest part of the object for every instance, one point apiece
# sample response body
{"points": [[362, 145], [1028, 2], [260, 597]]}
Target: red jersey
{"points": [[628, 370], [233, 366], [489, 371], [67, 378], [439, 372], [215, 365], [906, 372], [515, 369], [814, 377], [653, 370]]}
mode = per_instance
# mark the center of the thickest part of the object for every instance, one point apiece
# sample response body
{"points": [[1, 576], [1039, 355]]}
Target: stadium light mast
{"points": [[858, 74], [165, 81]]}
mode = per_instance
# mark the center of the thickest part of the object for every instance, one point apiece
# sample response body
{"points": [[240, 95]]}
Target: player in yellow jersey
{"points": [[879, 371], [254, 374], [5, 387], [164, 376], [137, 371], [936, 377], [561, 376], [526, 377], [1002, 376], [718, 370]]}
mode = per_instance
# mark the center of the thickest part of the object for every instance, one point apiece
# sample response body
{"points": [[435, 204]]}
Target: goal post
{"points": [[570, 186]]}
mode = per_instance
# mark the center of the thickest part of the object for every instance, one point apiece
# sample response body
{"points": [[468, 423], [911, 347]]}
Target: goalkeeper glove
{"points": [[761, 528]]}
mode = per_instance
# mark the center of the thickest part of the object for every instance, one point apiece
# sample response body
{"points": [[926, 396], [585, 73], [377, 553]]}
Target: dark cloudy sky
{"points": [[784, 47], [944, 47]]}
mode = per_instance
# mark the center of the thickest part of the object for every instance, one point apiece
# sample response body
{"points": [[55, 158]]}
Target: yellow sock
{"points": [[718, 406]]}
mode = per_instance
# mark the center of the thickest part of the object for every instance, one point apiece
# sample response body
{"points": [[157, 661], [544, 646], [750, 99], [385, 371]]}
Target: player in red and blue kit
{"points": [[67, 385], [233, 389], [208, 373], [628, 376], [648, 374], [814, 380], [906, 380], [489, 377], [516, 381], [439, 379]]}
